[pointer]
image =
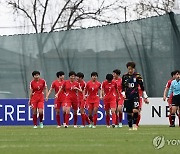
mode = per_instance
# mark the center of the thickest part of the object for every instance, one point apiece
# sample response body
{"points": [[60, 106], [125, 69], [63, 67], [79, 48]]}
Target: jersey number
{"points": [[131, 85], [136, 104]]}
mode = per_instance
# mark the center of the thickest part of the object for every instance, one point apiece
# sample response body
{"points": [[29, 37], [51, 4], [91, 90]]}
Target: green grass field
{"points": [[102, 140]]}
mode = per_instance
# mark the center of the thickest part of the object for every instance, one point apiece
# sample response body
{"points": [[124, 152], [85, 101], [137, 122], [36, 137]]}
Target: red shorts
{"points": [[121, 101], [93, 99], [82, 104], [111, 100], [37, 101], [108, 106], [91, 106], [69, 102], [109, 103], [58, 103]]}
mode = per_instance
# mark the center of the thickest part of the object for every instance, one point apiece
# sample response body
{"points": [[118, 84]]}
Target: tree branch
{"points": [[43, 16], [17, 6], [34, 12], [73, 10], [60, 14]]}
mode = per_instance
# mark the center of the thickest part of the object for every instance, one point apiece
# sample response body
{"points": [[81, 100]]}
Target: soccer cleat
{"points": [[116, 126], [82, 126], [120, 125], [135, 127], [172, 126], [35, 126], [75, 126], [90, 126], [113, 126], [41, 125], [93, 126], [58, 126], [108, 126], [130, 128]]}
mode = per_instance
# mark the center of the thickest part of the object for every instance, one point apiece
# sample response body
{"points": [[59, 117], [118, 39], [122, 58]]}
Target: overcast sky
{"points": [[9, 26]]}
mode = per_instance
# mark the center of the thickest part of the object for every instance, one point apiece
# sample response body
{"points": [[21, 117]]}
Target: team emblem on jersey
{"points": [[134, 79]]}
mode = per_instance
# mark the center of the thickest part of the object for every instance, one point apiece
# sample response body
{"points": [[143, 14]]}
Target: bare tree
{"points": [[51, 15], [147, 8]]}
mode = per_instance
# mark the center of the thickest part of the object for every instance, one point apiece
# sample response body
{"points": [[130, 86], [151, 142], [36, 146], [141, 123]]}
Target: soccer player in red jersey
{"points": [[58, 102], [120, 99], [71, 87], [173, 75], [91, 90], [36, 97], [109, 92], [81, 101]]}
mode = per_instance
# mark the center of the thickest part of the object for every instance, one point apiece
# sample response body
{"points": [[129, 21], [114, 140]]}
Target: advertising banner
{"points": [[17, 112]]}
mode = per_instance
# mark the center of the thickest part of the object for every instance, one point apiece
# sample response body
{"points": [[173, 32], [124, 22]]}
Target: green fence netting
{"points": [[153, 43]]}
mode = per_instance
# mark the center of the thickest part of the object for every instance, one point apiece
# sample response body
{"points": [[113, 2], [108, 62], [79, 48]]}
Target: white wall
{"points": [[155, 113]]}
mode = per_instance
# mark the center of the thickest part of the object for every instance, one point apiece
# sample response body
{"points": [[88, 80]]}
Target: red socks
{"points": [[120, 117], [95, 119], [83, 119], [114, 118], [107, 120], [35, 119], [58, 120], [75, 119], [170, 119], [67, 119]]}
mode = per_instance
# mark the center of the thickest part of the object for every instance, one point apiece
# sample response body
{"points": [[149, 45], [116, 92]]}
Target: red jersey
{"points": [[119, 87], [109, 89], [38, 86], [82, 85], [69, 86], [119, 84], [140, 91], [168, 84], [92, 89], [56, 84]]}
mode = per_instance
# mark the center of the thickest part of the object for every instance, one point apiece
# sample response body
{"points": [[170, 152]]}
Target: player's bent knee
{"points": [[135, 110]]}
